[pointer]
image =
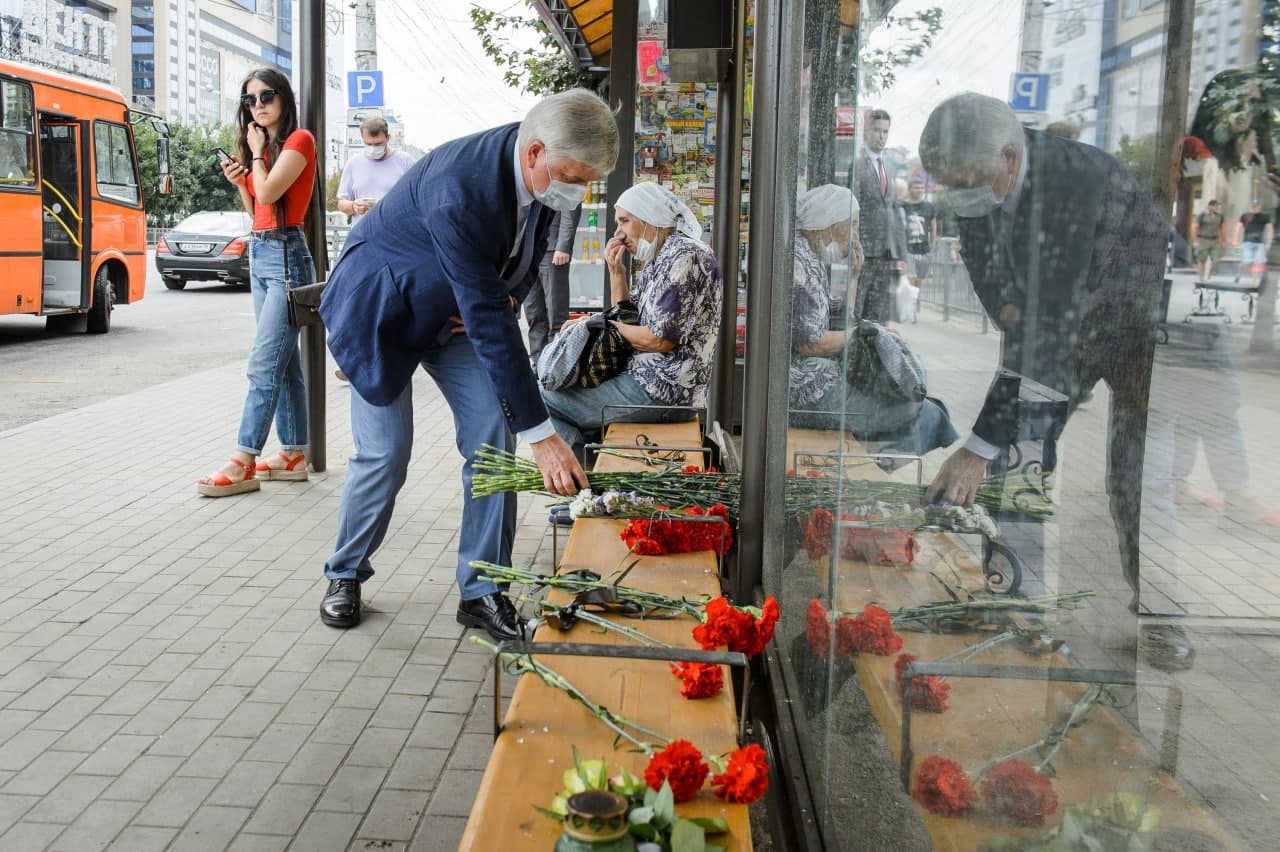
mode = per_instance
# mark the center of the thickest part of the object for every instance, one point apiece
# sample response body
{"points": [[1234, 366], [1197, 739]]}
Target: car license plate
{"points": [[196, 248]]}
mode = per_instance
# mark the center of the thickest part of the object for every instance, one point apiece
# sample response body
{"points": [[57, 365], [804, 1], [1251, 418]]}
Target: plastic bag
{"points": [[904, 301]]}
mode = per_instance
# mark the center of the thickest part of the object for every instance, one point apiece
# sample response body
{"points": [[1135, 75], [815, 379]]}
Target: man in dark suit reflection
{"points": [[881, 227], [1066, 253]]}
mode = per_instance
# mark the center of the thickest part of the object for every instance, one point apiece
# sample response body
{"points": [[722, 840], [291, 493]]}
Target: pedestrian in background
{"points": [[881, 230], [275, 188], [1208, 240], [1254, 233], [365, 179], [922, 233], [546, 308]]}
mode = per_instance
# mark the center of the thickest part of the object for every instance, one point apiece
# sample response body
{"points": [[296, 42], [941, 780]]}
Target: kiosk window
{"points": [[16, 124], [116, 176]]}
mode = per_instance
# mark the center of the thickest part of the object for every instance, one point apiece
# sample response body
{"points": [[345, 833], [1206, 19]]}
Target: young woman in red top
{"points": [[275, 174]]}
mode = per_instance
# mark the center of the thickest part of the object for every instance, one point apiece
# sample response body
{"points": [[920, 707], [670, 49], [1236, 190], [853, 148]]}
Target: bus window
{"points": [[116, 178], [16, 129]]}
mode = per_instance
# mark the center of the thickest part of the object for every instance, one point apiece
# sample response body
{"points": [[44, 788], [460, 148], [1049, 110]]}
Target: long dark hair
{"points": [[287, 124]]}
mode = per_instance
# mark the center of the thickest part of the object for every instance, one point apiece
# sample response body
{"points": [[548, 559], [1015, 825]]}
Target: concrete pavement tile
{"points": [[67, 713], [174, 627], [138, 839], [384, 662], [13, 807], [472, 667], [377, 747], [65, 802], [44, 773], [308, 707], [142, 653], [45, 694], [258, 843], [156, 718], [394, 815], [183, 737], [224, 615], [279, 744], [439, 834], [416, 769], [437, 730], [283, 809], [433, 652], [398, 711], [30, 836], [212, 827], [278, 686], [399, 637], [342, 725], [453, 696], [96, 826], [315, 763], [115, 755], [250, 719], [143, 778], [197, 640], [245, 784], [352, 789], [471, 751], [353, 646], [175, 802], [167, 666], [131, 698], [90, 734], [191, 684], [119, 638], [331, 675], [85, 664], [417, 680], [364, 692], [108, 679], [215, 757], [326, 832], [247, 671], [222, 656], [455, 793], [303, 657], [65, 648], [217, 702]]}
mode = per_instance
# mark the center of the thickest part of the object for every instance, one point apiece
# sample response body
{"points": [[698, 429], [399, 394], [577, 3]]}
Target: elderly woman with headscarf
{"points": [[821, 397], [678, 296]]}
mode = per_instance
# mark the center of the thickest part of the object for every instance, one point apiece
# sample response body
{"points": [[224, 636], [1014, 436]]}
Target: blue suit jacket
{"points": [[436, 245]]}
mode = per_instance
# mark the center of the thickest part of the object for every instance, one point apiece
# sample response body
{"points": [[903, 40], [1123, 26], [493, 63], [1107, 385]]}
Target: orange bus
{"points": [[74, 239]]}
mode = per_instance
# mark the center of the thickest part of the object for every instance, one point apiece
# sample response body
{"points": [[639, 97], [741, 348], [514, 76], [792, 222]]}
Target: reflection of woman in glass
{"points": [[14, 166], [827, 225]]}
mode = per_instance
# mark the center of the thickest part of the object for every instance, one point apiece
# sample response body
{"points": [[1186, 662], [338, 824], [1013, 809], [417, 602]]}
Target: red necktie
{"points": [[884, 184]]}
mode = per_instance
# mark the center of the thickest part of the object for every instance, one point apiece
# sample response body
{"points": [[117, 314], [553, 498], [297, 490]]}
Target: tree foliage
{"points": [[912, 36], [198, 183], [542, 69], [1139, 157]]}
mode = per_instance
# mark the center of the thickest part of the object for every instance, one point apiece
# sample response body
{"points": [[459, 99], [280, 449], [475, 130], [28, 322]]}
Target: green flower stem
{"points": [[547, 606], [575, 585], [976, 606], [526, 664], [1094, 695], [968, 652]]}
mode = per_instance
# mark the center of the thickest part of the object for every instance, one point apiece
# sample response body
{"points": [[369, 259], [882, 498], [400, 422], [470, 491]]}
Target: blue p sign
{"points": [[1029, 92], [364, 88]]}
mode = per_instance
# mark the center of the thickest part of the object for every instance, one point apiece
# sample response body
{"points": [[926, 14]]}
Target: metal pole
{"points": [[728, 205], [622, 95], [779, 45], [366, 36], [311, 94]]}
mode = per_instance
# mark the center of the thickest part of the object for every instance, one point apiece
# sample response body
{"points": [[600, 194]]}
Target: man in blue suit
{"points": [[433, 276]]}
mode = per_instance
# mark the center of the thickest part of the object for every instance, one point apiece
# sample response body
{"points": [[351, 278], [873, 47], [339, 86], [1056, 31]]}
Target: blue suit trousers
{"points": [[383, 437]]}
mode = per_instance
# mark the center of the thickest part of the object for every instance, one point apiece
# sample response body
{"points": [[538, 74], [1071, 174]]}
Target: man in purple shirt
{"points": [[366, 179]]}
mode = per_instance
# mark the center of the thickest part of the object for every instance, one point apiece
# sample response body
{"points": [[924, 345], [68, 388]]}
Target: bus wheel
{"points": [[104, 295]]}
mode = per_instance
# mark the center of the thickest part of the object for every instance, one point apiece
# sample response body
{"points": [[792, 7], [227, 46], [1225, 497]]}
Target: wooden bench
{"points": [[991, 717], [542, 725]]}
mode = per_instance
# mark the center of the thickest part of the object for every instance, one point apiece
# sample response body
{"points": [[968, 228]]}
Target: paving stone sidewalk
{"points": [[165, 681]]}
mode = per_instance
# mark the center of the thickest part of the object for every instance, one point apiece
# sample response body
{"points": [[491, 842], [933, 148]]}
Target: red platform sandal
{"points": [[218, 484], [294, 470]]}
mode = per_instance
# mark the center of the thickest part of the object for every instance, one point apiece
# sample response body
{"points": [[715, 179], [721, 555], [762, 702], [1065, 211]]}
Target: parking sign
{"points": [[1029, 92], [364, 88]]}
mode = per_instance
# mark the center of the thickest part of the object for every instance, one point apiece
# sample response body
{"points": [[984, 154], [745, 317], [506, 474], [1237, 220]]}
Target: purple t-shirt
{"points": [[366, 178]]}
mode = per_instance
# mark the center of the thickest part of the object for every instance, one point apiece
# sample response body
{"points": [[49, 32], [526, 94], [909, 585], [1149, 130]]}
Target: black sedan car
{"points": [[206, 246]]}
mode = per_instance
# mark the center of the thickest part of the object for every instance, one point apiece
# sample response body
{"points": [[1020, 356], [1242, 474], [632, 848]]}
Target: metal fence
{"points": [[947, 286]]}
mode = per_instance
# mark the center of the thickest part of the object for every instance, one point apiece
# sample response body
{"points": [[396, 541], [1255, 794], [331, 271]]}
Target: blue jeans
{"points": [[384, 442], [578, 413], [907, 427], [276, 388]]}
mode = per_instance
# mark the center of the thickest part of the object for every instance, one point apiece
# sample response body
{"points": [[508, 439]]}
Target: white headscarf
{"points": [[659, 207], [824, 206]]}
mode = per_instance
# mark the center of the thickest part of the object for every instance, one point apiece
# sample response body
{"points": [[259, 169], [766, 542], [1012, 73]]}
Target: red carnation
{"points": [[680, 765], [745, 779], [870, 632], [763, 630], [699, 680], [817, 535], [1017, 792], [943, 788], [928, 692], [647, 547], [735, 628], [818, 629]]}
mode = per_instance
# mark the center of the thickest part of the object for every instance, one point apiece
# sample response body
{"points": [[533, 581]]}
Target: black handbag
{"points": [[607, 352], [304, 304], [866, 371]]}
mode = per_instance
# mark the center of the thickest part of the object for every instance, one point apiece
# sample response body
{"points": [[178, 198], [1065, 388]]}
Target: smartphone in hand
{"points": [[222, 155]]}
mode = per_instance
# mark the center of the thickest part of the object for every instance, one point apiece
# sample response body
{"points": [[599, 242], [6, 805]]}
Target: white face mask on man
{"points": [[375, 152], [558, 195]]}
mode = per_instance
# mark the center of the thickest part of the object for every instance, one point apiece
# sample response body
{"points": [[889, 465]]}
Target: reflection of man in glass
{"points": [[881, 229], [1066, 253]]}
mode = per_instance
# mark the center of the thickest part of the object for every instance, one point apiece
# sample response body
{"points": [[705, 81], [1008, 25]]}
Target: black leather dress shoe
{"points": [[341, 604], [493, 613], [1167, 648]]}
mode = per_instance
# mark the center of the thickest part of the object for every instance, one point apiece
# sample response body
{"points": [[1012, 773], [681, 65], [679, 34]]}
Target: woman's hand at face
{"points": [[234, 172], [614, 252], [257, 139]]}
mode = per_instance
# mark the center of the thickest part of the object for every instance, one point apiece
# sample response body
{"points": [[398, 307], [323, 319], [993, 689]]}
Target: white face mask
{"points": [[375, 152], [972, 202], [831, 252], [559, 195], [645, 249]]}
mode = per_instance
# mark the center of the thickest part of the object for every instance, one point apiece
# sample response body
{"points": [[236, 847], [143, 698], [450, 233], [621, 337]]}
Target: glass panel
{"points": [[114, 157], [17, 163], [1007, 466]]}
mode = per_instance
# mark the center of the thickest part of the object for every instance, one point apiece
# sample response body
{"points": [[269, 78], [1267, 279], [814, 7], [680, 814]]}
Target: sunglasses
{"points": [[265, 97]]}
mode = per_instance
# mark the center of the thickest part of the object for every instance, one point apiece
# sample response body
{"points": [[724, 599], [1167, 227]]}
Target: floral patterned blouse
{"points": [[812, 377], [678, 295]]}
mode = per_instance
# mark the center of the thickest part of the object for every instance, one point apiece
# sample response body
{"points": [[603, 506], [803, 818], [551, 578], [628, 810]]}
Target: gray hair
{"points": [[574, 125], [965, 130]]}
